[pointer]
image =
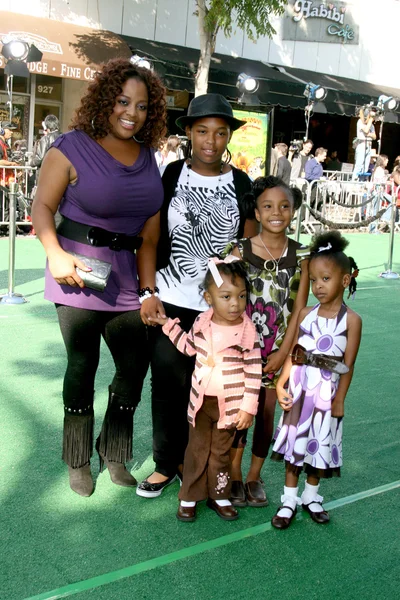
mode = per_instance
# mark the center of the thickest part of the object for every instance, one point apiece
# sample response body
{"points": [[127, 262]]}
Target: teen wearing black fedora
{"points": [[202, 212]]}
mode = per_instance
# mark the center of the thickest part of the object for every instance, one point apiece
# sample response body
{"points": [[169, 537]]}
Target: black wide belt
{"points": [[95, 236]]}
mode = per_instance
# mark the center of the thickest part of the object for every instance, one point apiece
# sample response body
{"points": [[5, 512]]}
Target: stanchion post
{"points": [[11, 297], [389, 274]]}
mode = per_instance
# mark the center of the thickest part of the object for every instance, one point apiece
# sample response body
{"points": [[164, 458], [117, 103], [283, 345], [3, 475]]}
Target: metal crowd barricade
{"points": [[25, 178], [344, 202], [338, 175]]}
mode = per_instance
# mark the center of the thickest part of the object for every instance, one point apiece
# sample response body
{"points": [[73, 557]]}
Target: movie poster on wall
{"points": [[249, 143]]}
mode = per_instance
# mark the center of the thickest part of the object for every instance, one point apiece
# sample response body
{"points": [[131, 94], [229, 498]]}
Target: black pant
{"points": [[126, 338], [264, 425], [171, 380]]}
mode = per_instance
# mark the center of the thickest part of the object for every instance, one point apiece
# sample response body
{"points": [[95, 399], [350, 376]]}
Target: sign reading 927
{"points": [[331, 22]]}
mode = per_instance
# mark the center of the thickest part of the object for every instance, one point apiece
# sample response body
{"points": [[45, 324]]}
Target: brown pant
{"points": [[207, 466]]}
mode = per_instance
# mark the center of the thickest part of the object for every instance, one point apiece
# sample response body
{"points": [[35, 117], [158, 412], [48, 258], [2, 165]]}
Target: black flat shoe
{"points": [[186, 513], [152, 490], [283, 522], [320, 517], [255, 494], [227, 513], [238, 494]]}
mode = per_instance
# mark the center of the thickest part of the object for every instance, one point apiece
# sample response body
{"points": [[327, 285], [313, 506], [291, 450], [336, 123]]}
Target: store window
{"points": [[20, 84], [20, 114], [49, 88], [48, 95], [41, 112]]}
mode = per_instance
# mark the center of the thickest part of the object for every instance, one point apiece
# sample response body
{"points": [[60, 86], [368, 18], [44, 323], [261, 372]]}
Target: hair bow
{"points": [[323, 248], [212, 265]]}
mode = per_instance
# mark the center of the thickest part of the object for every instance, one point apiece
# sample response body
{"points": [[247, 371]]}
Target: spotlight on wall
{"points": [[141, 61], [247, 84], [247, 87], [387, 103], [18, 53], [315, 93]]}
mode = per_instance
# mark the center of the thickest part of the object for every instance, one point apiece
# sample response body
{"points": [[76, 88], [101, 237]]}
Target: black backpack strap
{"points": [[242, 185], [169, 180]]}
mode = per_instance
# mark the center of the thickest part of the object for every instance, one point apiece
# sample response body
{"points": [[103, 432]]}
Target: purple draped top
{"points": [[112, 196]]}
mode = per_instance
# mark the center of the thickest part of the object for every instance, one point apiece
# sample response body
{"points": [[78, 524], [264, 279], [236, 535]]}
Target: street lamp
{"points": [[386, 105], [315, 95], [247, 85], [141, 61], [17, 53]]}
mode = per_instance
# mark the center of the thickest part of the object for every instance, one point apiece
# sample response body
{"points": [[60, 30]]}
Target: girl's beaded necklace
{"points": [[275, 262]]}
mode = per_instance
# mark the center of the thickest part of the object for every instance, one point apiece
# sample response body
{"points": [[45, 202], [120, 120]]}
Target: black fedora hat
{"points": [[209, 105]]}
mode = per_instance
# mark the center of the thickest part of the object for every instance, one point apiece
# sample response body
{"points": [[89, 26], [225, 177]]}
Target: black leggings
{"points": [[171, 380], [264, 425], [126, 338]]}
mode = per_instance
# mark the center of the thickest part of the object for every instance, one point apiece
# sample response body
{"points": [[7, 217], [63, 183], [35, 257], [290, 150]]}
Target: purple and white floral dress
{"points": [[308, 436]]}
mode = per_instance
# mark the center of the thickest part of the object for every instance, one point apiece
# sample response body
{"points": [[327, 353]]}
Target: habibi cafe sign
{"points": [[338, 30], [306, 10]]}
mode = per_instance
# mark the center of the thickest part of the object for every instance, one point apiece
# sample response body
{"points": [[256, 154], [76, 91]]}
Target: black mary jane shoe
{"points": [[320, 517], [186, 513], [283, 522], [227, 513], [152, 490]]}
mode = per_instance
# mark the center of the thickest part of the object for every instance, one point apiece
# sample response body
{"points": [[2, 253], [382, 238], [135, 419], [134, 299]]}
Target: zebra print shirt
{"points": [[201, 221]]}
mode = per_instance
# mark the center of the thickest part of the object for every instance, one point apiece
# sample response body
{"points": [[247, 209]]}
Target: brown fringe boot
{"points": [[114, 445], [78, 448]]}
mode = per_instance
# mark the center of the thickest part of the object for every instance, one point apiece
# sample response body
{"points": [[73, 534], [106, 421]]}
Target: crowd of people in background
{"points": [[295, 164]]}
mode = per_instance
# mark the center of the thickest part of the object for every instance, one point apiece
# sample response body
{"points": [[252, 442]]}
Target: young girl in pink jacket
{"points": [[225, 386]]}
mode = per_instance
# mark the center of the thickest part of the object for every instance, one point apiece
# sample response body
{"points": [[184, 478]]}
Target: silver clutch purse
{"points": [[97, 278]]}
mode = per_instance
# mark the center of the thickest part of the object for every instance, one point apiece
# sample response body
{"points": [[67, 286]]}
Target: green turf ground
{"points": [[54, 544]]}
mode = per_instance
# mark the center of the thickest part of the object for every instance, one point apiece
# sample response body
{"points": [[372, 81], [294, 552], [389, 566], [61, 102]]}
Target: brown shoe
{"points": [[255, 494], [238, 494], [119, 474], [186, 513], [321, 517], [80, 480], [283, 522], [227, 513]]}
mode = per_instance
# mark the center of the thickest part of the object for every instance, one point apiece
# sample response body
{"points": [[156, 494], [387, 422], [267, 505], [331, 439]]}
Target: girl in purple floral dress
{"points": [[309, 435], [277, 269]]}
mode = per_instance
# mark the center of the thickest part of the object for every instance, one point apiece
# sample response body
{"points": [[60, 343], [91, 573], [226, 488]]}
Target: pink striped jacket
{"points": [[241, 373]]}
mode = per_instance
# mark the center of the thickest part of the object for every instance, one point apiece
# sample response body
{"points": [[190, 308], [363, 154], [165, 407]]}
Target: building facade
{"points": [[344, 39]]}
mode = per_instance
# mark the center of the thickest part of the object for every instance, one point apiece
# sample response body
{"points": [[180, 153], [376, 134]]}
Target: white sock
{"points": [[224, 502], [289, 498], [185, 504], [311, 497]]}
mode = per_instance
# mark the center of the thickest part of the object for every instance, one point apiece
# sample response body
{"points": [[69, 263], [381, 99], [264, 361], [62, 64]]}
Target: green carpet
{"points": [[51, 538]]}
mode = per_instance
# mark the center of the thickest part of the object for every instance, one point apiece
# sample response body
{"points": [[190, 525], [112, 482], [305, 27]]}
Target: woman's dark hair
{"points": [[235, 269], [261, 184], [98, 103], [330, 245]]}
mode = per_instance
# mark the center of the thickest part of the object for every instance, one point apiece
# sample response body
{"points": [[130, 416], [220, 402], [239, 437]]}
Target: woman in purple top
{"points": [[103, 177]]}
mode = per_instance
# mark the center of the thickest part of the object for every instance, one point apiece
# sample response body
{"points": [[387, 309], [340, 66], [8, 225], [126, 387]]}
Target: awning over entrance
{"points": [[279, 86], [69, 51], [342, 91]]}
